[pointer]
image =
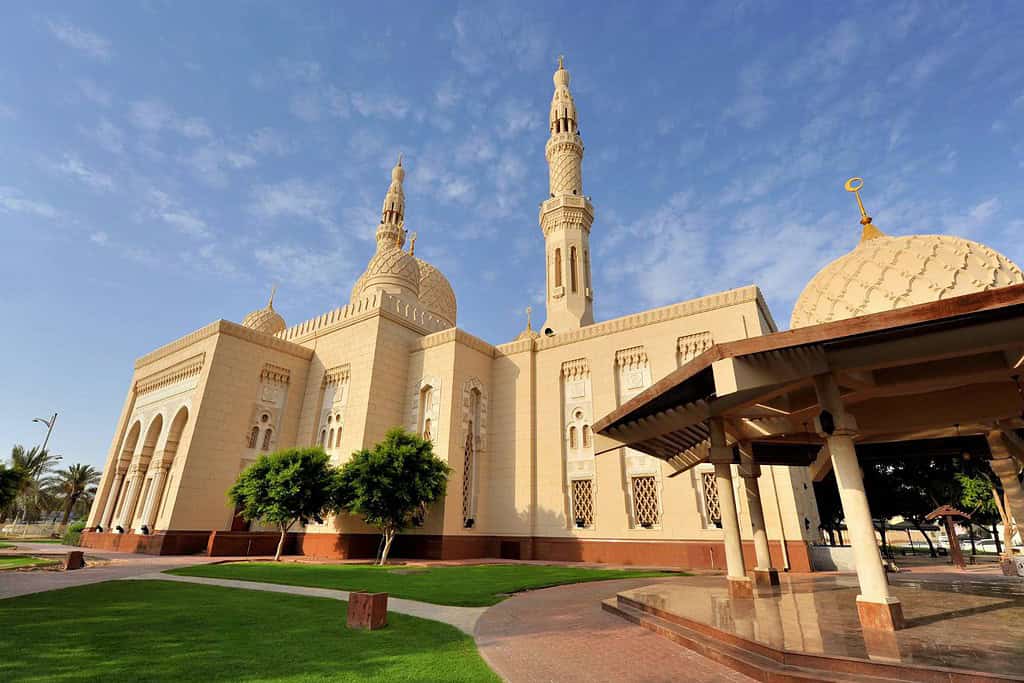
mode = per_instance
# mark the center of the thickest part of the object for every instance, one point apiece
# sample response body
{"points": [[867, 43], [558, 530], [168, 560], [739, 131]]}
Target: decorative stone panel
{"points": [[419, 412], [690, 346]]}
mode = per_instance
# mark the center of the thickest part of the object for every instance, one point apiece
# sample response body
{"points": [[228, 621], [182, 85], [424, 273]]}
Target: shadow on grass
{"points": [[161, 631]]}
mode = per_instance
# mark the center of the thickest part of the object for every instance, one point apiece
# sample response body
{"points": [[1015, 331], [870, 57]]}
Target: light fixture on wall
{"points": [[145, 530], [119, 529], [99, 528], [580, 523], [468, 524]]}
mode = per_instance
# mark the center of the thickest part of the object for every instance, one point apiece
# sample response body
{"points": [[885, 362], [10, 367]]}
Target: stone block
{"points": [[74, 559], [367, 610], [766, 577], [740, 587], [881, 616]]}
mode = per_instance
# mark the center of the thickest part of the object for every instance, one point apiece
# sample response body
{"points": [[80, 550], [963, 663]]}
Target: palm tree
{"points": [[74, 483], [32, 498]]}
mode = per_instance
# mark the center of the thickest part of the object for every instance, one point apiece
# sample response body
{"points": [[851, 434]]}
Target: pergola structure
{"points": [[924, 378]]}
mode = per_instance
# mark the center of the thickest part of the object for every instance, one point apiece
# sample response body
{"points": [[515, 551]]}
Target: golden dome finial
{"points": [[561, 61], [412, 244], [869, 232], [529, 312], [273, 291]]}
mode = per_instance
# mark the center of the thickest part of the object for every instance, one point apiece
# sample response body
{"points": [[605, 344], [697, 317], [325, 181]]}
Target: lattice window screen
{"points": [[709, 491], [583, 502], [467, 478], [645, 501]]}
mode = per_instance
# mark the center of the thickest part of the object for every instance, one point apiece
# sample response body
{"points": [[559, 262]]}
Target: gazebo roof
{"points": [[918, 374]]}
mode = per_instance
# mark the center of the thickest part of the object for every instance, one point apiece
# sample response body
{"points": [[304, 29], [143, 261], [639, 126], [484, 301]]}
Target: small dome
{"points": [[265, 320], [884, 273], [436, 294], [395, 271]]}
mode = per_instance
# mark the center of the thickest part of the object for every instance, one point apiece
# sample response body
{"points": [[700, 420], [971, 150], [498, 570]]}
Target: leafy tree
{"points": [[32, 498], [10, 484], [391, 485], [978, 493], [285, 487], [74, 483]]}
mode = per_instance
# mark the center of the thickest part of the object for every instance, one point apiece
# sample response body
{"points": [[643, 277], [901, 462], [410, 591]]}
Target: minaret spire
{"points": [[391, 231], [566, 216]]}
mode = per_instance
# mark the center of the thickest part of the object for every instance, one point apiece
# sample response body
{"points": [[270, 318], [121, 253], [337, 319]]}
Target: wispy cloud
{"points": [[163, 207], [212, 162], [307, 268], [73, 167], [293, 198], [12, 201], [94, 92], [7, 112], [487, 34], [154, 116], [751, 107], [86, 42]]}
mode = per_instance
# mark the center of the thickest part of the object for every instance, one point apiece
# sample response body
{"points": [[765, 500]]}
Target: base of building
{"points": [[682, 554], [740, 587], [766, 577], [880, 616]]}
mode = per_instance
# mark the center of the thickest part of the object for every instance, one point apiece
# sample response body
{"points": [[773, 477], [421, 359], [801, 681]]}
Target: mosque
{"points": [[532, 477]]}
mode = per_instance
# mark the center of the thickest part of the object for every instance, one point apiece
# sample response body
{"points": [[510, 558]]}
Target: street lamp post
{"points": [[49, 427]]}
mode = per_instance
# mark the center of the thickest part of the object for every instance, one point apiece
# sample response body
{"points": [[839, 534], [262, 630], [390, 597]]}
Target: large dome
{"points": [[436, 293], [884, 273], [393, 270], [265, 320]]}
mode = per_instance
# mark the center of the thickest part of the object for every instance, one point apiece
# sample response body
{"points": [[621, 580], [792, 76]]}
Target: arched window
{"points": [[426, 408], [426, 429], [572, 268], [572, 437], [337, 439], [254, 436], [558, 267], [323, 439], [330, 438], [586, 436], [266, 439], [586, 269]]}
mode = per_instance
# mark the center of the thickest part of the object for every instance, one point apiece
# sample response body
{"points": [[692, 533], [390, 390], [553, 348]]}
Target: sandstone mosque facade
{"points": [[513, 420]]}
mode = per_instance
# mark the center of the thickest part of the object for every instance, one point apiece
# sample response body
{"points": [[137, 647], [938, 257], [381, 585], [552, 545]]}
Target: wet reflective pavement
{"points": [[953, 624]]}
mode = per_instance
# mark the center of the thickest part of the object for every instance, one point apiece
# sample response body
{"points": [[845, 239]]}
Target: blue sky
{"points": [[162, 164]]}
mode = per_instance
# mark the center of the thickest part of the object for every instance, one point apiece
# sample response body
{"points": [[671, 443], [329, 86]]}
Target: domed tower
{"points": [[266, 319], [884, 273], [436, 293], [566, 217], [391, 269]]}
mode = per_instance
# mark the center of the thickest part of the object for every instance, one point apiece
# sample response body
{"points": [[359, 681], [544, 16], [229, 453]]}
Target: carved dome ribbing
{"points": [[391, 269], [885, 273], [436, 293], [265, 320]]}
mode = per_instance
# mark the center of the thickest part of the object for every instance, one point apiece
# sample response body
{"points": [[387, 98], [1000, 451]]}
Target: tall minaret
{"points": [[566, 217]]}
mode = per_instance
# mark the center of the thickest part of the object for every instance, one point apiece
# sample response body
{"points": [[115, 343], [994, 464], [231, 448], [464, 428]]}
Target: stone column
{"points": [[156, 494], [1005, 467], [131, 498], [721, 456], [112, 497], [764, 573], [876, 608]]}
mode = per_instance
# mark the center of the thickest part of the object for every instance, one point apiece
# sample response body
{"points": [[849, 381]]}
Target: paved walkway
{"points": [[561, 634], [105, 566], [462, 618]]}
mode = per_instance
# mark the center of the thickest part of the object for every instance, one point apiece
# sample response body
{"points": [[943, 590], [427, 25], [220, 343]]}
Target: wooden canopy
{"points": [[915, 377]]}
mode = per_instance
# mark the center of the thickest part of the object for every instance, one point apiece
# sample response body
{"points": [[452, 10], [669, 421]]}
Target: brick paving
{"points": [[560, 634]]}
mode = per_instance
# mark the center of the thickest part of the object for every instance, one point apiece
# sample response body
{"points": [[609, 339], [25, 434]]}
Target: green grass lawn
{"points": [[6, 545], [15, 539], [19, 561], [465, 586], [163, 631]]}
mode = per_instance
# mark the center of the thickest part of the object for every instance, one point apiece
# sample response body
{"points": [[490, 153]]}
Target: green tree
{"points": [[978, 493], [32, 498], [10, 485], [391, 485], [285, 487], [72, 484]]}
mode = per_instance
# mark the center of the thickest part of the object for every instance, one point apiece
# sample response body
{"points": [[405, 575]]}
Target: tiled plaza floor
{"points": [[561, 634], [953, 621]]}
